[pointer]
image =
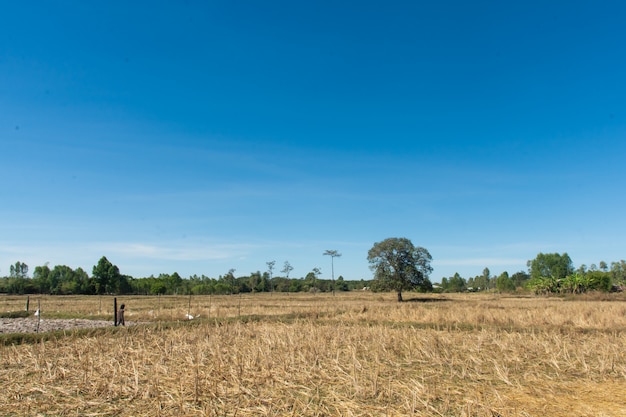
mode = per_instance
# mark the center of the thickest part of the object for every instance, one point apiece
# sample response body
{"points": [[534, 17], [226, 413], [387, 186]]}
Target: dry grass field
{"points": [[353, 354]]}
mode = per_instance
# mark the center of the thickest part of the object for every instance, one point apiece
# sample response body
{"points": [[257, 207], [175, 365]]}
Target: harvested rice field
{"points": [[352, 354]]}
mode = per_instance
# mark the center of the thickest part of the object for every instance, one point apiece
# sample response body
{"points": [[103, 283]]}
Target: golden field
{"points": [[352, 354]]}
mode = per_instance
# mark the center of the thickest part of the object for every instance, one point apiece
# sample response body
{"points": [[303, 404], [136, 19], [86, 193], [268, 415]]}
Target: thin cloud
{"points": [[480, 262], [174, 252]]}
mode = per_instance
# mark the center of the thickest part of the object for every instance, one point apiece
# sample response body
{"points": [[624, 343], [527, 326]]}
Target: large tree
{"points": [[107, 277], [399, 265], [550, 265]]}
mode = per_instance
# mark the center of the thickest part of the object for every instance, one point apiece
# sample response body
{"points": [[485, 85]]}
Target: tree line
{"points": [[396, 263], [106, 278], [548, 273]]}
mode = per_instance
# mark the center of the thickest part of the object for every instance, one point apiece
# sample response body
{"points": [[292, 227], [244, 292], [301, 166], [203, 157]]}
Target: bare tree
{"points": [[270, 269], [287, 268], [333, 254]]}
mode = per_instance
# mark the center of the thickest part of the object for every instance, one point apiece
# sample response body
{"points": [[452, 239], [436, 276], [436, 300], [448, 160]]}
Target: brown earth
{"points": [[29, 325]]}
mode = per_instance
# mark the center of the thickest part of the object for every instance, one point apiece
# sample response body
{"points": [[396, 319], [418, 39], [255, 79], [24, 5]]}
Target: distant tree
{"points": [[444, 284], [471, 283], [308, 283], [264, 283], [295, 285], [281, 284], [270, 269], [333, 254], [504, 283], [85, 285], [520, 279], [229, 280], [311, 280], [40, 279], [19, 270], [62, 281], [599, 281], [342, 285], [618, 272], [456, 284], [287, 268], [603, 266], [399, 265], [254, 280], [158, 287], [550, 265], [107, 277], [173, 282]]}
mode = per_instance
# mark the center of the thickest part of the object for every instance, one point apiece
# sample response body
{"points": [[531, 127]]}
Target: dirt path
{"points": [[29, 325]]}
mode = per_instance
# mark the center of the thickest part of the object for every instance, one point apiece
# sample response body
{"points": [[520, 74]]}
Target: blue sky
{"points": [[197, 137]]}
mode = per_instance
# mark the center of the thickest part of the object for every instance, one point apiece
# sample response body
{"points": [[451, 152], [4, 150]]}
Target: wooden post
{"points": [[38, 314], [189, 308], [27, 302], [115, 311]]}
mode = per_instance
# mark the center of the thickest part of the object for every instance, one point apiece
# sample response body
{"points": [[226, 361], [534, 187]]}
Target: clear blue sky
{"points": [[201, 136]]}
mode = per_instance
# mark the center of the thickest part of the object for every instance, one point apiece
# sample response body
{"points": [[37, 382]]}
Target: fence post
{"points": [[27, 302], [115, 311], [38, 314]]}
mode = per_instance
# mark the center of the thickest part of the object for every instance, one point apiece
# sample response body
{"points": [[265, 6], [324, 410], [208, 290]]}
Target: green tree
{"points": [[254, 280], [19, 270], [173, 283], [40, 279], [599, 280], [61, 280], [399, 265], [550, 265], [603, 266], [456, 284], [483, 282], [618, 271], [308, 284], [520, 279], [84, 284], [229, 281], [342, 285], [106, 277], [295, 285], [504, 283], [264, 283]]}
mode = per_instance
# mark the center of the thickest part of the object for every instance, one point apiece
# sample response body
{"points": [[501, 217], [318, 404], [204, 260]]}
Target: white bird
{"points": [[37, 313], [189, 316]]}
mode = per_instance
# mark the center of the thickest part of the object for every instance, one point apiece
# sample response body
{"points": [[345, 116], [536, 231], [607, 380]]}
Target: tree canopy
{"points": [[399, 265], [550, 265], [107, 278]]}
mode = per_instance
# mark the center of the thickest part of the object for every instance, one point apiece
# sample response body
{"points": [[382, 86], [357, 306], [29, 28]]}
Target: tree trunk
{"points": [[399, 296]]}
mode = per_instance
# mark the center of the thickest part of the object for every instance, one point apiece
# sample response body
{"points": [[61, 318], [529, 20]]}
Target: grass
{"points": [[355, 354], [14, 314]]}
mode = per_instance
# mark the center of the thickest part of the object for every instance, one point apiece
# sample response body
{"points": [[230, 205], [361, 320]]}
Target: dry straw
{"points": [[356, 354]]}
